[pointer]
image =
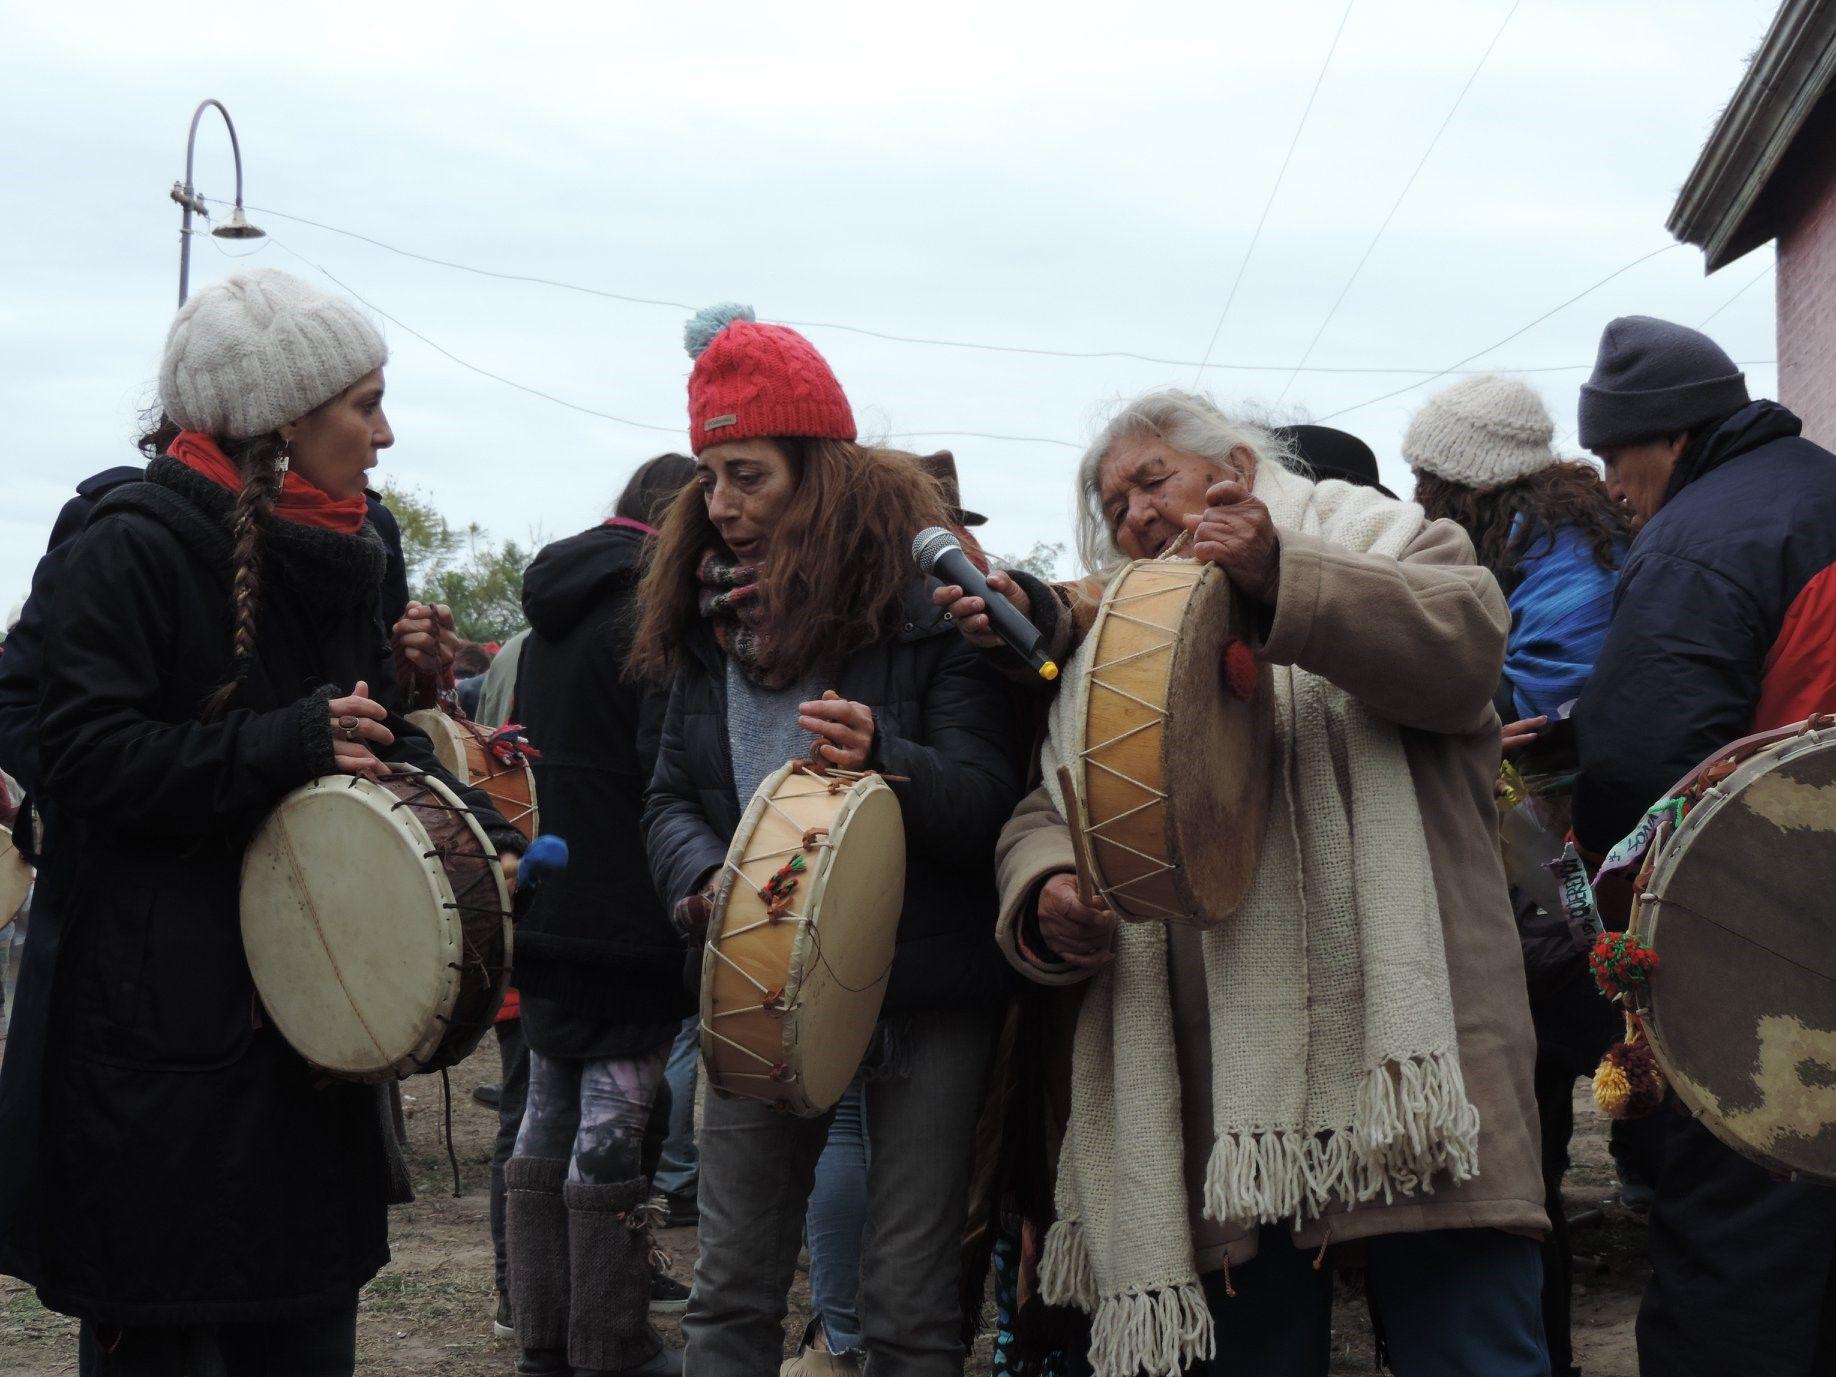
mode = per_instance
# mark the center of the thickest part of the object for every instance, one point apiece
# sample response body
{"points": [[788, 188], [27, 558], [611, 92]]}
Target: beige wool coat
{"points": [[1419, 641]]}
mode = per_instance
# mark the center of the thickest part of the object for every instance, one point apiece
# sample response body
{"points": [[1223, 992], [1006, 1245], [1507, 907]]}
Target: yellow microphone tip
{"points": [[1048, 670]]}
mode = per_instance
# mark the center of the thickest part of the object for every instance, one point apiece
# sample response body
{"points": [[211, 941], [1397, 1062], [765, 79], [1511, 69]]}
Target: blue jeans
{"points": [[1449, 1303], [837, 1215], [678, 1167], [513, 1058]]}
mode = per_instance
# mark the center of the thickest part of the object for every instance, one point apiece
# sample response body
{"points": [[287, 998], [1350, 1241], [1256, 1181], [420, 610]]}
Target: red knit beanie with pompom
{"points": [[753, 380]]}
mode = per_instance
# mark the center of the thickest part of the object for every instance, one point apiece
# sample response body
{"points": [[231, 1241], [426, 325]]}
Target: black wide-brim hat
{"points": [[942, 467], [1334, 453]]}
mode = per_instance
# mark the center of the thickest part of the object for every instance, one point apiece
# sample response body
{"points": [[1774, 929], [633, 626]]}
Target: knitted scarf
{"points": [[299, 500], [1335, 1067], [731, 599]]}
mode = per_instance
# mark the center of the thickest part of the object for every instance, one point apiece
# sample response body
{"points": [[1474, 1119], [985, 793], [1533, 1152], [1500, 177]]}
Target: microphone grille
{"points": [[931, 542]]}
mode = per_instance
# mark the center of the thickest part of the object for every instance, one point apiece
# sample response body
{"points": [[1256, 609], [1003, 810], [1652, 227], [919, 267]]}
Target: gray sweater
{"points": [[762, 730]]}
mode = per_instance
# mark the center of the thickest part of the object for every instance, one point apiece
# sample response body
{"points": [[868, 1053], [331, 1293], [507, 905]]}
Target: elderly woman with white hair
{"points": [[1342, 1070]]}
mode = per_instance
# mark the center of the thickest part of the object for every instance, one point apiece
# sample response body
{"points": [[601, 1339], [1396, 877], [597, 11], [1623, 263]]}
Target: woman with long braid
{"points": [[212, 1204]]}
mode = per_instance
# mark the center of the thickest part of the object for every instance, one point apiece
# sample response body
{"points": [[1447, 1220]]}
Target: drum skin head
{"points": [[830, 972], [448, 740], [15, 876], [460, 747], [1743, 1003], [1175, 770], [346, 931]]}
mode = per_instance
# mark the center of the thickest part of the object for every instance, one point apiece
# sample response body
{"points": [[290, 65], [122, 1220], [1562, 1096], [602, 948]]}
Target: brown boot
{"points": [[536, 1249], [609, 1259]]}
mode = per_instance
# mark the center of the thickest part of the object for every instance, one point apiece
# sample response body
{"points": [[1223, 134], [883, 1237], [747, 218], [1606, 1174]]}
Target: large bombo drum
{"points": [[1173, 746], [376, 923], [487, 761], [802, 937], [1738, 904]]}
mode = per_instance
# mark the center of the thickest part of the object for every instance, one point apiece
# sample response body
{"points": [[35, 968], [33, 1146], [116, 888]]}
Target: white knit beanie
{"points": [[259, 349], [1484, 432]]}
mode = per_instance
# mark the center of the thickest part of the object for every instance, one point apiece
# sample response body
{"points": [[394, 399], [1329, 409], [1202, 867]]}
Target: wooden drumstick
{"points": [[1177, 547], [1080, 846]]}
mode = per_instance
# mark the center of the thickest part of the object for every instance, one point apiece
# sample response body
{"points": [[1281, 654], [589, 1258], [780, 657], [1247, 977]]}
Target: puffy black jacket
{"points": [[595, 940], [945, 719], [21, 669], [195, 1169], [1724, 622]]}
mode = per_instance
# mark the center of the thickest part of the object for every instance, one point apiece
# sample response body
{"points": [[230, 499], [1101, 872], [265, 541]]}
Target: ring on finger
{"points": [[350, 732]]}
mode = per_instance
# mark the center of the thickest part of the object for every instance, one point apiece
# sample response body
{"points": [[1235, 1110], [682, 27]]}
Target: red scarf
{"points": [[299, 500]]}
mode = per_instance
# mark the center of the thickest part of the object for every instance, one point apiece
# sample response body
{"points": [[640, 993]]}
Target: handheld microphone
{"points": [[940, 553]]}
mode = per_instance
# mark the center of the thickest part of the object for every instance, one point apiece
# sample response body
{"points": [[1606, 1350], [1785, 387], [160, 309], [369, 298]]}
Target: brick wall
{"points": [[1807, 281]]}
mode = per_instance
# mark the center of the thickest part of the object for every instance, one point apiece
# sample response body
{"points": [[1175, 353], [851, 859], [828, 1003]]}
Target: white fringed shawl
{"points": [[1335, 1069]]}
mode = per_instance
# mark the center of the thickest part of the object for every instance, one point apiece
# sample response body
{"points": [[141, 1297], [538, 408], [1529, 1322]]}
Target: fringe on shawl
{"points": [[1161, 1331], [1065, 1274], [1413, 1121]]}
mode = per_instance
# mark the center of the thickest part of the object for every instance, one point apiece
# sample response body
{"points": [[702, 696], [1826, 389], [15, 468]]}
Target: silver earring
{"points": [[284, 460]]}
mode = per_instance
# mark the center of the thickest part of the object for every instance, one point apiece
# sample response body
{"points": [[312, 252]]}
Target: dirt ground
{"points": [[429, 1313]]}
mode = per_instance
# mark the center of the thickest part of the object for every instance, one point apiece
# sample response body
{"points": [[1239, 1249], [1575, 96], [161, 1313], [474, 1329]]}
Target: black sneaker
{"points": [[667, 1295], [684, 1211], [488, 1095]]}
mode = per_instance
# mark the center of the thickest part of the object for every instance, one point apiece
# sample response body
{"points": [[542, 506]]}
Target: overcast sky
{"points": [[1053, 176]]}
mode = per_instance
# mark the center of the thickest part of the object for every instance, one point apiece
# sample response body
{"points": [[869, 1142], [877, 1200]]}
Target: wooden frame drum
{"points": [[802, 937], [1172, 764], [464, 748], [1741, 1010], [376, 923]]}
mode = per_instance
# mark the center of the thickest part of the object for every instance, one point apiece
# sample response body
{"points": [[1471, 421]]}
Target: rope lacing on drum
{"points": [[1158, 866]]}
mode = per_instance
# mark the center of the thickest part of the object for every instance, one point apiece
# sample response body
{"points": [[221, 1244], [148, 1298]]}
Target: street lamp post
{"points": [[190, 203]]}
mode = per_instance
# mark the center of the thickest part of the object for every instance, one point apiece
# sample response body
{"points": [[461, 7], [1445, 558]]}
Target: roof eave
{"points": [[1787, 76]]}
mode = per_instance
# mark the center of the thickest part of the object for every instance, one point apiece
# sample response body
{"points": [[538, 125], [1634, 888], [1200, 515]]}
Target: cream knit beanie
{"points": [[1484, 432], [261, 348]]}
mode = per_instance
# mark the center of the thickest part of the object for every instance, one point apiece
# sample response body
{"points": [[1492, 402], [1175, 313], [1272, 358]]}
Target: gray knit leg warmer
{"points": [[608, 1232], [535, 1235]]}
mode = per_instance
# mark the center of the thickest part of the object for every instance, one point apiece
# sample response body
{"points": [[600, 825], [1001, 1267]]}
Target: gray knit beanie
{"points": [[259, 349], [1652, 378], [1483, 432]]}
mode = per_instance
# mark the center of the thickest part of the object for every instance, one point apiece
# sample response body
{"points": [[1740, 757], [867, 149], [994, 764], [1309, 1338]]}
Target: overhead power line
{"points": [[1269, 204], [1481, 353], [980, 346], [1754, 282], [1396, 205], [678, 430]]}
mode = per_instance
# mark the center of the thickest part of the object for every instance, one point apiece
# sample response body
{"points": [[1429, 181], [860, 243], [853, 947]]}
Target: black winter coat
{"points": [[945, 719], [195, 1169], [598, 963], [1724, 621], [21, 672]]}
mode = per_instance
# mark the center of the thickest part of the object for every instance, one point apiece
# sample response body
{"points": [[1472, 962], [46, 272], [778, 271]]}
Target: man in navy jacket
{"points": [[1724, 624]]}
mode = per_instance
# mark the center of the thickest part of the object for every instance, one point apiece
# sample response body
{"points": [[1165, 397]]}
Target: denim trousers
{"points": [[837, 1216], [513, 1059], [1449, 1303], [757, 1168], [676, 1169], [319, 1346]]}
